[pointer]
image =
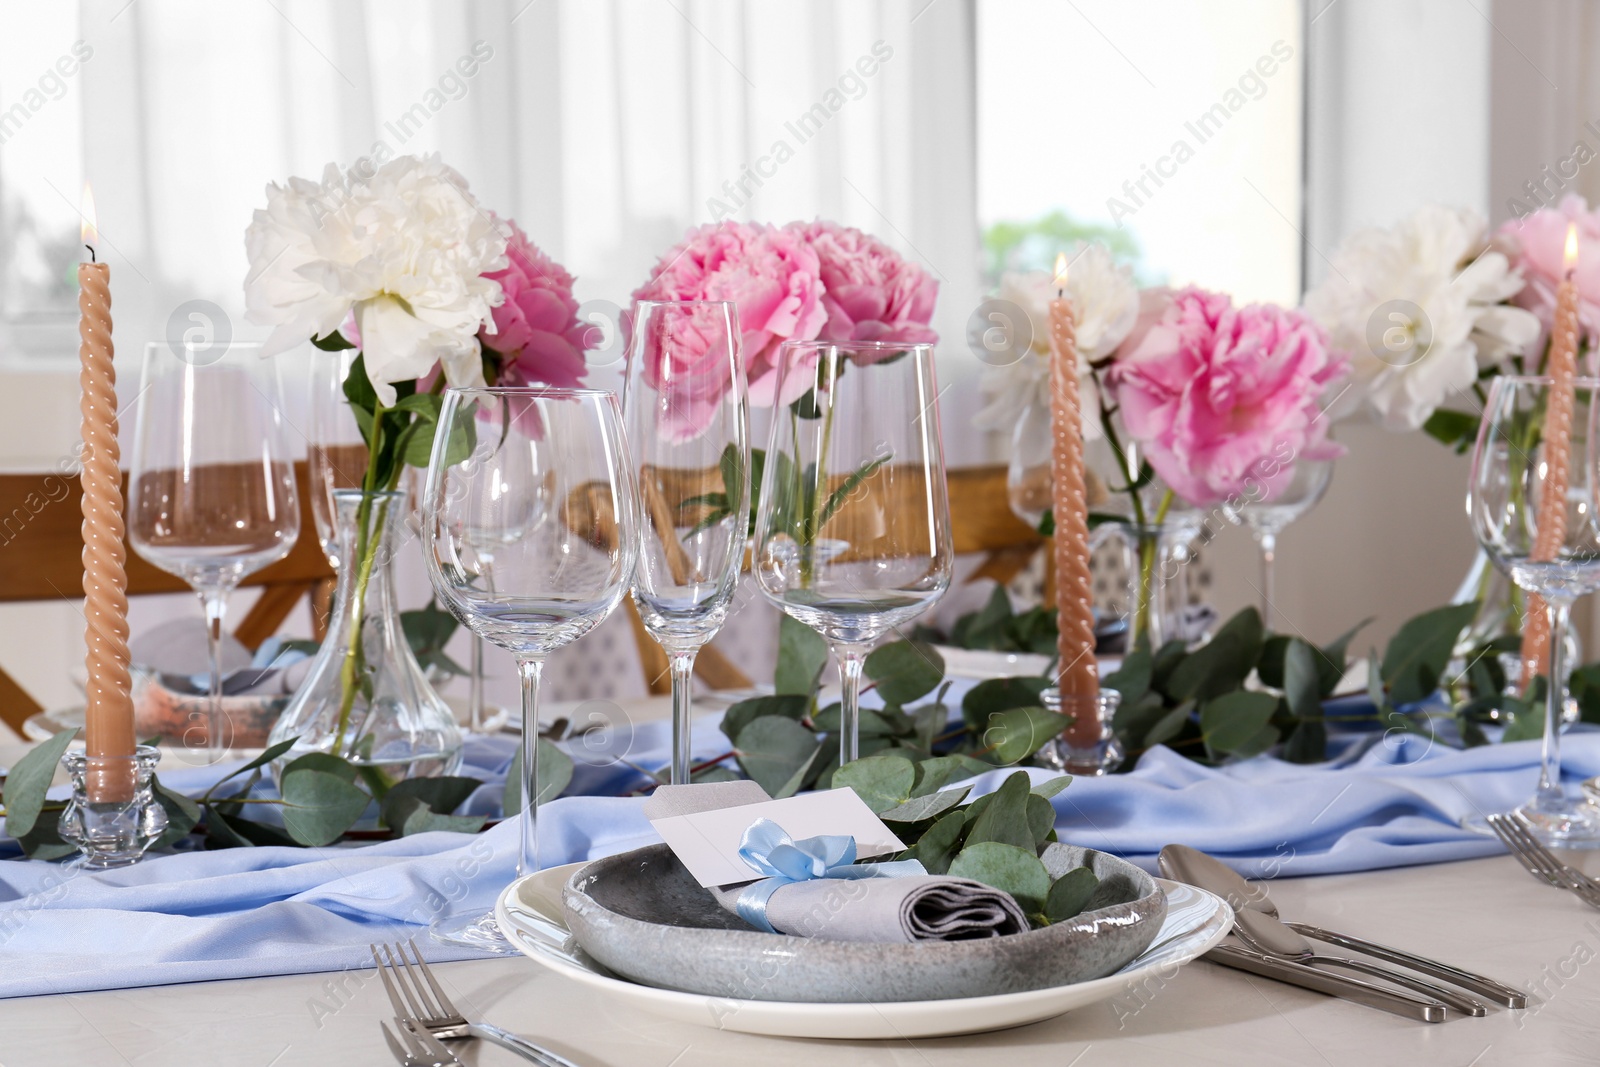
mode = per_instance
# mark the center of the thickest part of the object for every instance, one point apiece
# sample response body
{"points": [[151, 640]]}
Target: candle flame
{"points": [[1571, 258], [91, 235], [1061, 270]]}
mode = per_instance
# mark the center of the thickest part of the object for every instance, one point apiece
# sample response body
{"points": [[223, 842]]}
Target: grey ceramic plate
{"points": [[642, 915]]}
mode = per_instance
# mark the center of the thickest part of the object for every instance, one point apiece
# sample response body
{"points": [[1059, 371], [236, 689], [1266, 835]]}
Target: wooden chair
{"points": [[981, 521], [41, 549]]}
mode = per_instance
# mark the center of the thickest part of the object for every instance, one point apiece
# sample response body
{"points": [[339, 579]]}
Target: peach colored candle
{"points": [[108, 712], [1552, 518], [1079, 680]]}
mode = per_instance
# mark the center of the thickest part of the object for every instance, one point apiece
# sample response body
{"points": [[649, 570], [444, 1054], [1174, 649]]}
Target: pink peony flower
{"points": [[870, 292], [770, 275], [1537, 246], [1224, 398], [537, 332]]}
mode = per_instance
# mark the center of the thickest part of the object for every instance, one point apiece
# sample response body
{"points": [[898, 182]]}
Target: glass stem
{"points": [[475, 687], [530, 670], [850, 657], [215, 604], [1267, 541], [1550, 792], [682, 664]]}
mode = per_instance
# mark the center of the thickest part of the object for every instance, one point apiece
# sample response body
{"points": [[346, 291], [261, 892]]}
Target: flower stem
{"points": [[1149, 542], [365, 555]]}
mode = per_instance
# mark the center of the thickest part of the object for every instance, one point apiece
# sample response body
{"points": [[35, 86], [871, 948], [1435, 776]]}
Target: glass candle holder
{"points": [[1101, 757], [113, 833]]}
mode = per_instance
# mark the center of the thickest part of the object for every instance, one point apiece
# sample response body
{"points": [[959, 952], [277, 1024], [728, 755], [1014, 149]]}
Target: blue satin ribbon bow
{"points": [[770, 851]]}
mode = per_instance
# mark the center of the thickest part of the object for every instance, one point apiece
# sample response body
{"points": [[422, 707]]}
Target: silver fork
{"points": [[1540, 861], [421, 1049], [425, 1008]]}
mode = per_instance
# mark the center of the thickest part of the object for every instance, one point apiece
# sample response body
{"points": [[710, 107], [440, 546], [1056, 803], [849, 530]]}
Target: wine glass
{"points": [[211, 491], [687, 415], [1273, 511], [530, 531], [853, 526], [1533, 512]]}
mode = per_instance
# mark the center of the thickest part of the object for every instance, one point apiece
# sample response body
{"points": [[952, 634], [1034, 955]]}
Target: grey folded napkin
{"points": [[889, 910]]}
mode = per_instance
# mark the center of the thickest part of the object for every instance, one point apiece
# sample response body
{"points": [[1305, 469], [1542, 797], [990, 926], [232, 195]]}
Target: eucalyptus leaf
{"points": [[1417, 654], [1170, 725], [771, 749], [1041, 818], [1232, 721], [555, 774], [1012, 736], [1053, 786], [1007, 868], [1004, 818], [939, 845], [1069, 893], [1302, 686], [882, 782], [1222, 664], [324, 762], [936, 773], [904, 670], [29, 781], [1308, 742], [802, 653], [931, 806], [183, 814], [318, 806], [743, 713], [441, 795], [999, 694]]}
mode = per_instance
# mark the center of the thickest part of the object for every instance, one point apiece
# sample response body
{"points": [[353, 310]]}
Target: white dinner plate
{"points": [[529, 913]]}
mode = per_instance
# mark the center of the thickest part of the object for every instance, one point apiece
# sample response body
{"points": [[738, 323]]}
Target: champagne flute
{"points": [[853, 526], [211, 492], [1274, 511], [1547, 547], [687, 415], [530, 531]]}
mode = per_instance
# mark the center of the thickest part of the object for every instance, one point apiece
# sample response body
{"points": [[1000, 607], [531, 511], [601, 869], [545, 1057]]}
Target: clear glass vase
{"points": [[1157, 559], [365, 697]]}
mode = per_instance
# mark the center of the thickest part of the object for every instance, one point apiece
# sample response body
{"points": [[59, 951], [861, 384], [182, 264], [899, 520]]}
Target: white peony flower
{"points": [[405, 250], [1106, 305], [1421, 308]]}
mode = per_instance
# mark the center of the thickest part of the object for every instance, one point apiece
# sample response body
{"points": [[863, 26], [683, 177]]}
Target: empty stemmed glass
{"points": [[853, 525], [1269, 514], [211, 491], [1548, 544], [530, 535], [685, 407]]}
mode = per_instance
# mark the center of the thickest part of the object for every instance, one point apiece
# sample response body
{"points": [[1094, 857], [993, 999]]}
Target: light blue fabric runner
{"points": [[246, 912]]}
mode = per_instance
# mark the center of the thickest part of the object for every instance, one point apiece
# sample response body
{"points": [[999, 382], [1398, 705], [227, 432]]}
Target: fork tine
{"points": [[1554, 868], [394, 996], [1506, 829], [394, 1044], [414, 985], [446, 1007], [434, 1046], [414, 1011]]}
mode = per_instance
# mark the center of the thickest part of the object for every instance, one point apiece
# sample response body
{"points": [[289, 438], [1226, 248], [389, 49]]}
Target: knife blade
{"points": [[1328, 982]]}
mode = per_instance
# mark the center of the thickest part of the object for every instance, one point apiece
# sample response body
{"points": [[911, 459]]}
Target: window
{"points": [[1170, 129]]}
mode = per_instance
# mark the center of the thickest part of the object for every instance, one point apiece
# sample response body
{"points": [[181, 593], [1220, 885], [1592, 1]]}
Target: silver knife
{"points": [[1335, 985], [1510, 996]]}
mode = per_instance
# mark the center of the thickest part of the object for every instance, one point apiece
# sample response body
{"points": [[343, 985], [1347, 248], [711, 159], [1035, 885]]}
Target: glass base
{"points": [[1560, 824], [476, 930], [1093, 750]]}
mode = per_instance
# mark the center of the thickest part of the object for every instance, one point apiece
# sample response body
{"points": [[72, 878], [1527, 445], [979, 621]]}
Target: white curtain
{"points": [[607, 128]]}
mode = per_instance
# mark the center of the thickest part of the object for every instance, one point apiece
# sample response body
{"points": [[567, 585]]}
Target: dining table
{"points": [[1484, 914]]}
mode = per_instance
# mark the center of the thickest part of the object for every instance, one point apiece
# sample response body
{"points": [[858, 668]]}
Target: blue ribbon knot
{"points": [[768, 850]]}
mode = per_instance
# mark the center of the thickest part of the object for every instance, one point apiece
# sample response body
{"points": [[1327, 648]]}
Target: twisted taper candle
{"points": [[1552, 515], [1079, 679], [108, 712]]}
